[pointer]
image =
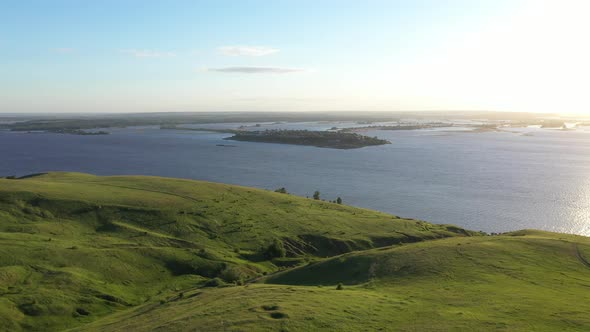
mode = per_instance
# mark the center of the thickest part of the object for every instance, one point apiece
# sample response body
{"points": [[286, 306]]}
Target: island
{"points": [[213, 130], [77, 132], [398, 127], [322, 139]]}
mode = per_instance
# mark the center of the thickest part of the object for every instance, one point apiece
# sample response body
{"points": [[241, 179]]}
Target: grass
{"points": [[77, 247], [528, 281], [86, 253]]}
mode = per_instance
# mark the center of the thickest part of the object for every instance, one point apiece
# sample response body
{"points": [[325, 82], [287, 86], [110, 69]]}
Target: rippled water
{"points": [[492, 181]]}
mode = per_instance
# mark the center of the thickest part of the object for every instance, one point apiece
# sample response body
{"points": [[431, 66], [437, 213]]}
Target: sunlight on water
{"points": [[580, 211], [491, 181]]}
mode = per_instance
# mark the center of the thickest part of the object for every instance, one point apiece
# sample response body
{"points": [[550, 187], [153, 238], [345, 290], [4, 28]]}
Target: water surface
{"points": [[491, 181]]}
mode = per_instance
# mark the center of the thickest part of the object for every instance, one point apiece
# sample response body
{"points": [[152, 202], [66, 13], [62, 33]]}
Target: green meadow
{"points": [[88, 253]]}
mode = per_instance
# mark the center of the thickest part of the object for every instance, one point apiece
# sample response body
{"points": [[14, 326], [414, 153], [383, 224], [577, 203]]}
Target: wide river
{"points": [[490, 181]]}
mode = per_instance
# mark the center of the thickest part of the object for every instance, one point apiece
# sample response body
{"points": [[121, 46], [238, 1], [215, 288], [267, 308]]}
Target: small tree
{"points": [[275, 249], [231, 274], [316, 195], [281, 190], [339, 200]]}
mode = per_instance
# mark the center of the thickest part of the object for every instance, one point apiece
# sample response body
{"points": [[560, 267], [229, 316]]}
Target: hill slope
{"points": [[76, 247], [524, 281]]}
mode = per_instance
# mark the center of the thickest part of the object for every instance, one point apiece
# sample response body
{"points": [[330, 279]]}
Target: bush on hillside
{"points": [[232, 274], [215, 282], [275, 250], [281, 190]]}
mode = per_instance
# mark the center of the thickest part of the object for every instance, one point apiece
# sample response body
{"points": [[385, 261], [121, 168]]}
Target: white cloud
{"points": [[247, 50], [148, 53], [257, 70]]}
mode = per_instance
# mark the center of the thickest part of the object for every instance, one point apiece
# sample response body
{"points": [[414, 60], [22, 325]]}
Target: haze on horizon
{"points": [[135, 56]]}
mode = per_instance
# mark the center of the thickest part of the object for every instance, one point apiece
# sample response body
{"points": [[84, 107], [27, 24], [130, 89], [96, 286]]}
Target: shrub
{"points": [[275, 249], [31, 309], [281, 190], [278, 315], [215, 282], [82, 312], [231, 274], [339, 287]]}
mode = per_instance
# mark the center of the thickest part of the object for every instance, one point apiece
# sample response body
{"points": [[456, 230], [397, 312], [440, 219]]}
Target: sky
{"points": [[277, 55]]}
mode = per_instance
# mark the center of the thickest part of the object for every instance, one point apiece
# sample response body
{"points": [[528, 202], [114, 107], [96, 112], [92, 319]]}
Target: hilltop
{"points": [[88, 253], [76, 247]]}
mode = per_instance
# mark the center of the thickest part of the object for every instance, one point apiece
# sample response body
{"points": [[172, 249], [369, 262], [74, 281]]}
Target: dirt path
{"points": [[580, 256]]}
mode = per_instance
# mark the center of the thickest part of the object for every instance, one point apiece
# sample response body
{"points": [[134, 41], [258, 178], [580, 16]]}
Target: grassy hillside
{"points": [[76, 247], [524, 281], [92, 253]]}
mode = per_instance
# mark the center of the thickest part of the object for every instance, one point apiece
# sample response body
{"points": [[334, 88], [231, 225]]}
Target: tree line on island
{"points": [[322, 139]]}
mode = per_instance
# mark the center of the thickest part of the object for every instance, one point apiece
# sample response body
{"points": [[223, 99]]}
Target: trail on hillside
{"points": [[142, 189], [580, 256]]}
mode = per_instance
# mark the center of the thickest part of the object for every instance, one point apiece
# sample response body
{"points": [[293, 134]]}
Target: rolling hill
{"points": [[522, 281], [77, 247], [87, 253]]}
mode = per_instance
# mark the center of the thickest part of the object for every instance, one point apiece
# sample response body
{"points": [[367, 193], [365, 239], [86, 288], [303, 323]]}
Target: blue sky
{"points": [[136, 56]]}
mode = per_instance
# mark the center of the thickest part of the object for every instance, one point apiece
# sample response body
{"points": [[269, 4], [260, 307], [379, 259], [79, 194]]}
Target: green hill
{"points": [[87, 253], [524, 281], [77, 247]]}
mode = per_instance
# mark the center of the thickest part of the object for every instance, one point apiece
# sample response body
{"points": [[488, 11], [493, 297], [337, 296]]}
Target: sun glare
{"points": [[535, 60]]}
